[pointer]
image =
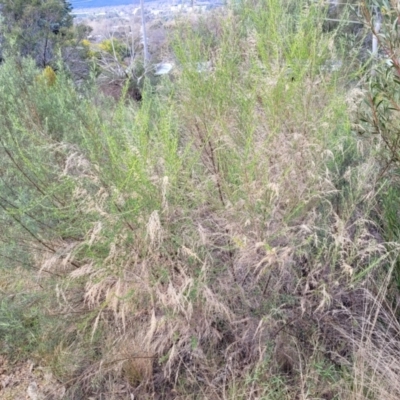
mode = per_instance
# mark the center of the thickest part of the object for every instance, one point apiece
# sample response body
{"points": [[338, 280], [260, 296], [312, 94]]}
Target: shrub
{"points": [[217, 238], [114, 47]]}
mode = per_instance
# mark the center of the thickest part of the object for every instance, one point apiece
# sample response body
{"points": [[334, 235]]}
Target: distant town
{"points": [[124, 21], [153, 8]]}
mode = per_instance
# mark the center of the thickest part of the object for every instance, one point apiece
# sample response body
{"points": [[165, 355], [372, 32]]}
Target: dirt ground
{"points": [[27, 381]]}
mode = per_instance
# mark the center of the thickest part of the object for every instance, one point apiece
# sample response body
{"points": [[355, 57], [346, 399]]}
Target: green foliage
{"points": [[380, 114], [267, 57], [115, 47], [390, 217], [34, 28], [20, 326]]}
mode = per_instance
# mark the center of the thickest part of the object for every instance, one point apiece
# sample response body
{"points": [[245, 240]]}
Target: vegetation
{"points": [[35, 28], [234, 234]]}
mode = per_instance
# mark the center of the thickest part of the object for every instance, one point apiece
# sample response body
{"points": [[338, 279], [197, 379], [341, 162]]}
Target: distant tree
{"points": [[75, 52], [34, 28]]}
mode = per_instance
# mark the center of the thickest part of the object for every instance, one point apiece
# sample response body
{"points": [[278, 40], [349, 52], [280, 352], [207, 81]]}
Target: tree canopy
{"points": [[34, 27]]}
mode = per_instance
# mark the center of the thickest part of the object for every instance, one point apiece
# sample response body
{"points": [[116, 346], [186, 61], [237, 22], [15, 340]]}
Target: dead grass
{"points": [[228, 247]]}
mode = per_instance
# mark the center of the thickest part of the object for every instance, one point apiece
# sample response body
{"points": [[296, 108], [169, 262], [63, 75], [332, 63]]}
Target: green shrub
{"points": [[20, 326], [115, 47]]}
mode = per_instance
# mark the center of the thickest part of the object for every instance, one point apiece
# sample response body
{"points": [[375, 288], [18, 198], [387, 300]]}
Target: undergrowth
{"points": [[217, 240]]}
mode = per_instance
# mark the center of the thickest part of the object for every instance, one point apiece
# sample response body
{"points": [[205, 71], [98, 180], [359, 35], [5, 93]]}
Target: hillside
{"points": [[226, 230]]}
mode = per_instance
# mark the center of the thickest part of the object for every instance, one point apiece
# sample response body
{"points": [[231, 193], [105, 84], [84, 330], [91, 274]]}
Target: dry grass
{"points": [[241, 295], [225, 243]]}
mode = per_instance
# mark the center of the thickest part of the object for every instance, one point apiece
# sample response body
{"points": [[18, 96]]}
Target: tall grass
{"points": [[216, 240]]}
